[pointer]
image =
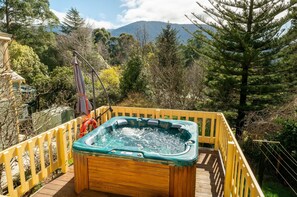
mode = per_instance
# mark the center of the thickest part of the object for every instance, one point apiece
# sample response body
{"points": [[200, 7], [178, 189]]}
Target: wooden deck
{"points": [[209, 180]]}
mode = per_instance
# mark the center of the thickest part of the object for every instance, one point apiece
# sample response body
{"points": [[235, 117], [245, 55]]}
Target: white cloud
{"points": [[98, 24], [89, 21], [60, 15], [158, 10]]}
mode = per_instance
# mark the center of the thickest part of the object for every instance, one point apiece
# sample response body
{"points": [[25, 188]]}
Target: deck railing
{"points": [[28, 163]]}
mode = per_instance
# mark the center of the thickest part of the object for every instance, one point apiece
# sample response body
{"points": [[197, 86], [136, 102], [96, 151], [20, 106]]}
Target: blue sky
{"points": [[99, 10], [115, 13]]}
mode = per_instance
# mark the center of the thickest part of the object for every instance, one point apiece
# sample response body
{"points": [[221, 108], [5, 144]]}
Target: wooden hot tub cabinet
{"points": [[131, 177]]}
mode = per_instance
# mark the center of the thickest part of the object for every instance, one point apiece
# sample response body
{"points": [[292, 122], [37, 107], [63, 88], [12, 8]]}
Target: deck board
{"points": [[209, 180], [209, 174]]}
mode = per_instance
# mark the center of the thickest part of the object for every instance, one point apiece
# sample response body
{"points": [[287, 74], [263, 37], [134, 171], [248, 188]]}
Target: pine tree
{"points": [[167, 71], [244, 73], [290, 53], [167, 45], [72, 21], [132, 79]]}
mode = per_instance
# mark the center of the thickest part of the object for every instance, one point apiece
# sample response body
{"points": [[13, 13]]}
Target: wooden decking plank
{"points": [[41, 195], [209, 174]]}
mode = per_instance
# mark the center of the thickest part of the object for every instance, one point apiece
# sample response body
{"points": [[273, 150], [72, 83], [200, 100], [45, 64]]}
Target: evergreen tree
{"points": [[190, 49], [29, 21], [132, 79], [120, 48], [167, 45], [167, 70], [19, 14], [101, 35], [290, 57], [244, 73], [72, 21]]}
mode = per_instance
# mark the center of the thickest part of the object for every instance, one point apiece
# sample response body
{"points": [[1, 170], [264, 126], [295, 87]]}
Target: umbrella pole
{"points": [[94, 73], [94, 97]]}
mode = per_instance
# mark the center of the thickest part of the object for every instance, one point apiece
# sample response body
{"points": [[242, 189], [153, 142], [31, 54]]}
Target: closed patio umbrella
{"points": [[83, 105]]}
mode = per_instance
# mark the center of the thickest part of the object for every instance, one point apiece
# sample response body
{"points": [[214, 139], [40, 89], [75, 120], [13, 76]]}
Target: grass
{"points": [[276, 189]]}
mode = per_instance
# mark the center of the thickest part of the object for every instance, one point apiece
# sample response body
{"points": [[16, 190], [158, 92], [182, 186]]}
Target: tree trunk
{"points": [[242, 102], [244, 79]]}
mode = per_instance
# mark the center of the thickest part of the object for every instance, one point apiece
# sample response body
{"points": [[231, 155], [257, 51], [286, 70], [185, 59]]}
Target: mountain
{"points": [[154, 28]]}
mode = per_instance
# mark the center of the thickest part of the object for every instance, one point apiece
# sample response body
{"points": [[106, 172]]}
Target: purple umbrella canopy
{"points": [[83, 105]]}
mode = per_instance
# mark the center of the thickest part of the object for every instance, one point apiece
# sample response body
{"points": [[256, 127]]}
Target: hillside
{"points": [[154, 28]]}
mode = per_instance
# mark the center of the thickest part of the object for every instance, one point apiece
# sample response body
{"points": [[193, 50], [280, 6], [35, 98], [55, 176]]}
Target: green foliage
{"points": [[289, 59], [72, 21], [120, 48], [29, 22], [276, 189], [243, 70], [80, 40], [191, 49], [111, 80], [43, 43], [26, 62], [18, 14], [62, 84], [57, 89], [114, 50], [288, 135], [166, 70], [101, 35], [168, 48], [132, 79]]}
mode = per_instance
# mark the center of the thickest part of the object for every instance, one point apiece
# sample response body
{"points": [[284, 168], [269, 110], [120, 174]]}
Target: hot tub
{"points": [[138, 157]]}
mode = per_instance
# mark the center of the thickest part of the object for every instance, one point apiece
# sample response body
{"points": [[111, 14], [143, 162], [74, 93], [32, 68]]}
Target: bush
{"points": [[132, 79], [288, 136]]}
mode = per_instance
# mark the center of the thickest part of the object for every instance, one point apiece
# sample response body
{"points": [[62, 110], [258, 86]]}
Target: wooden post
{"points": [[62, 150], [157, 113], [229, 164], [7, 157], [182, 181], [218, 128], [81, 176]]}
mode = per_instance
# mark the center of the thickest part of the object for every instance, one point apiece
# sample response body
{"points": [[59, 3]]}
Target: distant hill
{"points": [[154, 28]]}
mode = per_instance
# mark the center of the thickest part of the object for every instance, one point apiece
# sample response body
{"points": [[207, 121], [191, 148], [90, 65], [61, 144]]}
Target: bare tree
{"points": [[262, 122], [81, 41], [142, 36]]}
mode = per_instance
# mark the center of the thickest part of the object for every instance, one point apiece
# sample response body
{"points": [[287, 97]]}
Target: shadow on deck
{"points": [[209, 180]]}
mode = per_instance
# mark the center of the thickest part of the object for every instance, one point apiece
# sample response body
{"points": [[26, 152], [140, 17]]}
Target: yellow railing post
{"points": [[218, 129], [229, 164], [8, 172], [104, 116], [62, 149], [157, 113]]}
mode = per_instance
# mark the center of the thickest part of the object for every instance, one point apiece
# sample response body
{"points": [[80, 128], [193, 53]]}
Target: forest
{"points": [[245, 67]]}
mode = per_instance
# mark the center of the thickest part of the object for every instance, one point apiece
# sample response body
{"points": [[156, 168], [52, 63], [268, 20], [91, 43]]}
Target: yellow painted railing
{"points": [[35, 159]]}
